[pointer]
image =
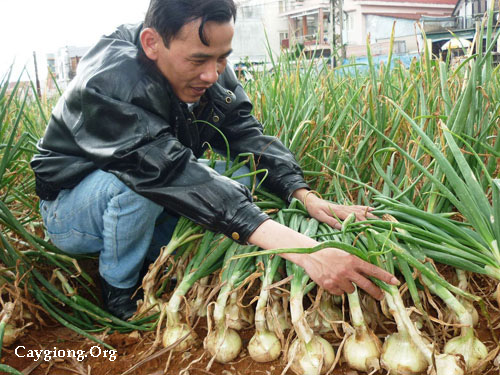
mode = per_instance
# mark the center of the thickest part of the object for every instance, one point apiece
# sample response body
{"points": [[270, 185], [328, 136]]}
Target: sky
{"points": [[44, 26]]}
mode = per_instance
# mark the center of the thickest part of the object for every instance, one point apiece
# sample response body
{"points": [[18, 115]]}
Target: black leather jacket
{"points": [[120, 115]]}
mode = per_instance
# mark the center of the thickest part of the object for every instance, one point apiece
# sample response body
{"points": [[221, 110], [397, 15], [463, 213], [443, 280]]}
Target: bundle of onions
{"points": [[205, 261], [408, 335], [467, 344], [224, 343], [185, 231]]}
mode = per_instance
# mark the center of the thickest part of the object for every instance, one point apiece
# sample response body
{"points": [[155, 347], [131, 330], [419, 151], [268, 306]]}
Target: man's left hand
{"points": [[328, 212]]}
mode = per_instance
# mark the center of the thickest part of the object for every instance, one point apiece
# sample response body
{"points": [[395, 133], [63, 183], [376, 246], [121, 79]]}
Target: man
{"points": [[122, 146]]}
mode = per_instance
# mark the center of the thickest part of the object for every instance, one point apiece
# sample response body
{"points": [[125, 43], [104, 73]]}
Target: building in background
{"points": [[63, 65], [377, 17], [462, 23], [319, 27], [258, 30], [309, 27]]}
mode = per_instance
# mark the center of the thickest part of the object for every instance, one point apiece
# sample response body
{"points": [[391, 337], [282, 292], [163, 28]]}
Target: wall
{"points": [[380, 27], [255, 18]]}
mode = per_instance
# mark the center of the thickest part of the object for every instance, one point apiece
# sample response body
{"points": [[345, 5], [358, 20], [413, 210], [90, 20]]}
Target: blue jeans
{"points": [[102, 215]]}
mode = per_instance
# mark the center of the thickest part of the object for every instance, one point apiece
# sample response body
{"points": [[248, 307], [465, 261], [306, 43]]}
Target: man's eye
{"points": [[197, 62]]}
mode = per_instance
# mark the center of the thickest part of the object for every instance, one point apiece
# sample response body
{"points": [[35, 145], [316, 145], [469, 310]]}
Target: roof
{"points": [[437, 2], [406, 16]]}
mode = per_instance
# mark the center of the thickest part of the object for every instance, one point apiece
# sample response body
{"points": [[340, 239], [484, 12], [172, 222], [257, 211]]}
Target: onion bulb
{"points": [[276, 318], [314, 358], [11, 334], [320, 322], [176, 332], [223, 344], [401, 356], [468, 346], [264, 346], [447, 364], [238, 317], [362, 350]]}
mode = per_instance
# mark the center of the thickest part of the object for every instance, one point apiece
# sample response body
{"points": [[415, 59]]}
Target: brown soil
{"points": [[130, 350]]}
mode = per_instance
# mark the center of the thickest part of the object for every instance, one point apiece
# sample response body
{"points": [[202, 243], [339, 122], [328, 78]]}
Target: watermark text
{"points": [[79, 355]]}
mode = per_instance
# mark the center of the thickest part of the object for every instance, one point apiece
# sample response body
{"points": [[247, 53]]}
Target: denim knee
{"points": [[74, 220]]}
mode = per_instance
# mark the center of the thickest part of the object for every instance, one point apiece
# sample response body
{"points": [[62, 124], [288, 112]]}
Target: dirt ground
{"points": [[130, 350]]}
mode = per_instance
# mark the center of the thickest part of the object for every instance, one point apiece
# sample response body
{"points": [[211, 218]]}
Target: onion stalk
{"points": [[310, 354], [264, 346], [224, 343], [363, 348]]}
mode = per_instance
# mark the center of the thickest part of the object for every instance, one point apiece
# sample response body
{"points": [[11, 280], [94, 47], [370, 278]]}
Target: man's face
{"points": [[192, 67]]}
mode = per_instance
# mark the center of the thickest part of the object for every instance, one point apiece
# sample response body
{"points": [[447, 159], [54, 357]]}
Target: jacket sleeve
{"points": [[245, 134], [139, 147]]}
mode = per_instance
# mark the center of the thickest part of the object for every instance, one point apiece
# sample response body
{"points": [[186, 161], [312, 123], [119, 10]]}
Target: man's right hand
{"points": [[337, 271], [333, 269]]}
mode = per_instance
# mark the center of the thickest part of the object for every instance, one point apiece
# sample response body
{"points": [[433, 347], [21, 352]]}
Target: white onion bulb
{"points": [[469, 347], [175, 332], [362, 350], [314, 358], [224, 344], [401, 356], [238, 317], [447, 364], [264, 346]]}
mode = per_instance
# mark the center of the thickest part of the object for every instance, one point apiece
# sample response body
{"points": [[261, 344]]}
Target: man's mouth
{"points": [[199, 90]]}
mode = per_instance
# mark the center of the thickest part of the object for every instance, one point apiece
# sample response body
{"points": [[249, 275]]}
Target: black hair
{"points": [[168, 16]]}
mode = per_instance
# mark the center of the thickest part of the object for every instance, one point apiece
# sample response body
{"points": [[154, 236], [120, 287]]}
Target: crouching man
{"points": [[119, 161]]}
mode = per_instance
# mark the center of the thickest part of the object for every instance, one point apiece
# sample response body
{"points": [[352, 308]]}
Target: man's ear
{"points": [[150, 41]]}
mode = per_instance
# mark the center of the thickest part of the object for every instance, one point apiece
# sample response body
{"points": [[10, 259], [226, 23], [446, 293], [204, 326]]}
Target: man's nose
{"points": [[210, 74]]}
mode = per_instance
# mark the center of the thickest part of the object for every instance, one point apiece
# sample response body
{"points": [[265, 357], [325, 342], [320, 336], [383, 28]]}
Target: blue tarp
{"points": [[361, 63]]}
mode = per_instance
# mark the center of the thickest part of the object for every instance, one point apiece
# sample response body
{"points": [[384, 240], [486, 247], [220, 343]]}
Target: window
{"points": [[348, 21], [282, 6], [400, 47]]}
